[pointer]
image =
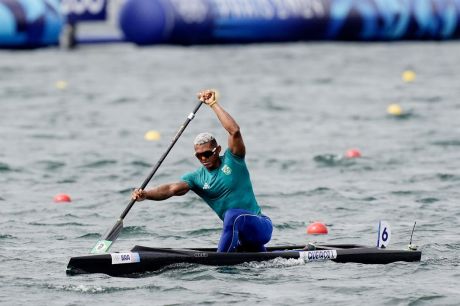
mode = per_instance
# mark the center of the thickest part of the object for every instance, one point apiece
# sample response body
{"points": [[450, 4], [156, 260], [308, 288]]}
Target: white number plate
{"points": [[124, 258], [319, 255]]}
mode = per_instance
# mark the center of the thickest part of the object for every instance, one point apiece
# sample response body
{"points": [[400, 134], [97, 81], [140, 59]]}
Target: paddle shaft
{"points": [[162, 158], [104, 244]]}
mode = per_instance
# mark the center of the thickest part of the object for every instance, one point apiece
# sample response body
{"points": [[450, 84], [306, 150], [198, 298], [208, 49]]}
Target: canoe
{"points": [[146, 259]]}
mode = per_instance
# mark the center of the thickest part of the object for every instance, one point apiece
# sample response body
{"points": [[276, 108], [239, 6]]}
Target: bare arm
{"points": [[235, 139], [161, 192]]}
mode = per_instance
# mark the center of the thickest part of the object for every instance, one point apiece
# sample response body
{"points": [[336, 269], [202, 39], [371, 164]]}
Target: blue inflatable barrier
{"points": [[147, 22], [29, 23], [162, 21]]}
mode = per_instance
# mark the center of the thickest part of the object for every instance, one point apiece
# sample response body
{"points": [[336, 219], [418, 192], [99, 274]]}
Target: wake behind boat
{"points": [[145, 259]]}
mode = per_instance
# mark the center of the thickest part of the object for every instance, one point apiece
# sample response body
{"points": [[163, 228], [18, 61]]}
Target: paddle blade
{"points": [[103, 245]]}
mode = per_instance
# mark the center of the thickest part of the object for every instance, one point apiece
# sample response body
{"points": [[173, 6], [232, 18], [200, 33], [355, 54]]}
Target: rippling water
{"points": [[300, 106]]}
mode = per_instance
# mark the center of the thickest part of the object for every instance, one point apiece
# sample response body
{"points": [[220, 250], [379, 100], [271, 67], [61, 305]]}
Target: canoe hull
{"points": [[144, 259]]}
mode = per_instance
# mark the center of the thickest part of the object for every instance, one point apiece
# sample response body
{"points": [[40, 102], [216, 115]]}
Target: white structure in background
{"points": [[90, 21]]}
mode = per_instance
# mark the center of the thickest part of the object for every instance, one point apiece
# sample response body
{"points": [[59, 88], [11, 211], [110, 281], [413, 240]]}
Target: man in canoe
{"points": [[223, 182]]}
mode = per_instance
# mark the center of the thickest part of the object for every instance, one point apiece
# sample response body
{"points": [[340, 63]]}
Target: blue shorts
{"points": [[244, 231]]}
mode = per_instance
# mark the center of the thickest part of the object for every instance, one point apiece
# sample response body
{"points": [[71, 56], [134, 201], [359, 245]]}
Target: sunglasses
{"points": [[206, 154]]}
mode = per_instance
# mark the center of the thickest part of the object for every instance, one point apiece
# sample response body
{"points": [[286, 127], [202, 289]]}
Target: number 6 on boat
{"points": [[384, 234]]}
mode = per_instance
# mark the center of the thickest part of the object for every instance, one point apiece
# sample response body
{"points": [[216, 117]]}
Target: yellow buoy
{"points": [[152, 135], [61, 84], [395, 110], [408, 76]]}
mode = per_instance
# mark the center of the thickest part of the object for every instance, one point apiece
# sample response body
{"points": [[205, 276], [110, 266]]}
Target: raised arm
{"points": [[235, 139], [161, 192]]}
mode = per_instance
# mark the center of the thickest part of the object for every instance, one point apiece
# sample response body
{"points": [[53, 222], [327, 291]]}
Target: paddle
{"points": [[104, 244]]}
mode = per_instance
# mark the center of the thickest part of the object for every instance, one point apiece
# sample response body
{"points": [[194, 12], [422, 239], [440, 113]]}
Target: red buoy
{"points": [[317, 228], [353, 153], [62, 197]]}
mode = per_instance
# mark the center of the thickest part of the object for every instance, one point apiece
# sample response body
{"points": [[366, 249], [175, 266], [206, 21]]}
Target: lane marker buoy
{"points": [[317, 228], [353, 153], [61, 84], [394, 109], [62, 197], [152, 135], [408, 76]]}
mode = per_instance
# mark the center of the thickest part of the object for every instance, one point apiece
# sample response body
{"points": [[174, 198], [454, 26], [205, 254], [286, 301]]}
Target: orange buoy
{"points": [[62, 197], [317, 228], [353, 153]]}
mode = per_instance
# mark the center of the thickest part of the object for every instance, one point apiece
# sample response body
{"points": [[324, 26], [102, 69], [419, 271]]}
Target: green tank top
{"points": [[226, 187]]}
